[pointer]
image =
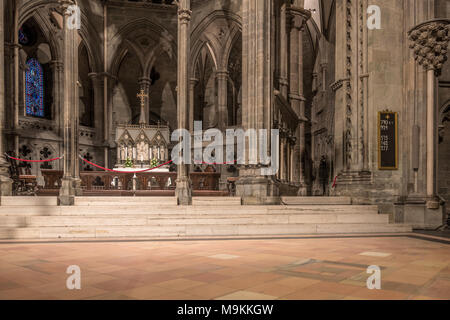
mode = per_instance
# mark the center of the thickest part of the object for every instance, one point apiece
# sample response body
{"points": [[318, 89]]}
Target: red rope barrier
{"points": [[334, 182], [25, 160], [117, 171]]}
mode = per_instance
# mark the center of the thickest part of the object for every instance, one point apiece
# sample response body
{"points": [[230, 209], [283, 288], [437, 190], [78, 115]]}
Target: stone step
{"points": [[173, 209], [128, 220], [139, 201], [29, 201], [216, 201], [129, 201], [195, 230], [316, 200]]}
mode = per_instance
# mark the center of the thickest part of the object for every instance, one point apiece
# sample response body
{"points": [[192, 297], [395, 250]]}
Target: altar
{"points": [[142, 146]]}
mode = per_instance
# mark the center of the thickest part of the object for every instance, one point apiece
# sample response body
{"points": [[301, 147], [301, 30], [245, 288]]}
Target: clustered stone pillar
{"points": [[183, 189], [5, 181], [283, 79], [71, 183], [298, 18], [58, 74], [430, 41], [109, 88], [192, 84], [222, 84], [257, 97]]}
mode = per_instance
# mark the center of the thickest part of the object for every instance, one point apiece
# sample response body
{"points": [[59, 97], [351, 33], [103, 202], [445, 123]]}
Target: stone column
{"points": [[70, 186], [257, 96], [101, 122], [58, 74], [17, 72], [430, 41], [283, 80], [222, 85], [144, 84], [291, 160], [5, 181], [97, 85], [192, 84], [288, 161], [282, 158], [109, 85], [298, 18], [183, 190]]}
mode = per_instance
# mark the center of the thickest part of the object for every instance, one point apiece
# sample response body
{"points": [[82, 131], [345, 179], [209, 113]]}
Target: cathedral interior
{"points": [[98, 98], [309, 68]]}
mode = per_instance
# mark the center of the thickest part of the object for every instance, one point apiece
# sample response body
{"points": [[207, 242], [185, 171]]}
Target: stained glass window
{"points": [[23, 37], [34, 88]]}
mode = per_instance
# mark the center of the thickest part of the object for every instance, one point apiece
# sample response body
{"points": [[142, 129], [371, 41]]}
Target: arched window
{"points": [[34, 89]]}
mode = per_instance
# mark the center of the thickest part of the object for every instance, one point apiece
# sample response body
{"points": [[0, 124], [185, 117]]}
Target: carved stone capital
{"points": [[57, 65], [184, 16], [283, 81], [430, 42], [298, 17], [63, 6], [145, 82], [222, 75]]}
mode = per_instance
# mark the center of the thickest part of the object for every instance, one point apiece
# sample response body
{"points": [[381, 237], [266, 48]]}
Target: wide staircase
{"points": [[156, 217]]}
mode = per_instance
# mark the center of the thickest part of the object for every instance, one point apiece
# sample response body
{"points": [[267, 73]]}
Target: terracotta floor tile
{"points": [[118, 285], [334, 288], [84, 293], [439, 288], [179, 284], [176, 295], [210, 291], [23, 293], [146, 292], [111, 296], [273, 289], [365, 293], [296, 283], [308, 294], [243, 282], [246, 295], [244, 269]]}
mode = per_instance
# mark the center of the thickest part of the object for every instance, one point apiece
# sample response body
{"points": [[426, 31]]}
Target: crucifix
{"points": [[142, 95]]}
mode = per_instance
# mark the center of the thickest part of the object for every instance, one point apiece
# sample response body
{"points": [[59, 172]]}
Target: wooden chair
{"points": [[24, 183]]}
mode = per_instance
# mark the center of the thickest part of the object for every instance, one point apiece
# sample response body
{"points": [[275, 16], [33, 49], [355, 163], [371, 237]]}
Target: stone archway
{"points": [[144, 60]]}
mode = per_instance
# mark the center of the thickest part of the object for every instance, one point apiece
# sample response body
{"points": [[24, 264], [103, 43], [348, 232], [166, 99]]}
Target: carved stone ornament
{"points": [[430, 43]]}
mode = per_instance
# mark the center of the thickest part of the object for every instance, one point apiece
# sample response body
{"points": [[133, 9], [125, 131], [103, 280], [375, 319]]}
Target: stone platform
{"points": [[153, 217]]}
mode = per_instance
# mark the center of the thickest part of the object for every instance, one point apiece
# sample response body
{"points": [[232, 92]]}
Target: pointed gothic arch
{"points": [[36, 82]]}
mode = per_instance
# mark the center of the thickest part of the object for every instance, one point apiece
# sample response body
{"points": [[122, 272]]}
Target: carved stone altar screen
{"points": [[141, 144]]}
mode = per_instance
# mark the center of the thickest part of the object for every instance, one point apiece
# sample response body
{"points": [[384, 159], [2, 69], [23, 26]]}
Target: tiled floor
{"points": [[297, 268]]}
